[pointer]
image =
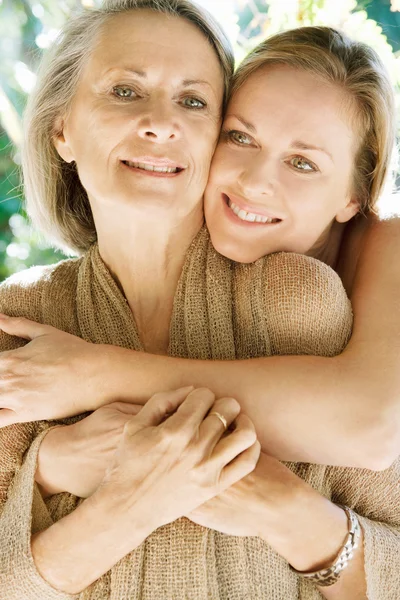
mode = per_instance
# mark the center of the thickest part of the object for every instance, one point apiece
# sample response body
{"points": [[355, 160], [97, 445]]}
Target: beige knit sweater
{"points": [[281, 304]]}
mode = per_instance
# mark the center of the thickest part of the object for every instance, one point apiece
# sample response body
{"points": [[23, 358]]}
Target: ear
{"points": [[349, 211], [61, 144]]}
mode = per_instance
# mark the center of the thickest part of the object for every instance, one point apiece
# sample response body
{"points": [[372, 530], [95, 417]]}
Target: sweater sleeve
{"points": [[24, 513], [306, 308], [375, 497], [22, 509]]}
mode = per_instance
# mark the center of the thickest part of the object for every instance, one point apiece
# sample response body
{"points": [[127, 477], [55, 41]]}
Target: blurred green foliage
{"points": [[27, 27]]}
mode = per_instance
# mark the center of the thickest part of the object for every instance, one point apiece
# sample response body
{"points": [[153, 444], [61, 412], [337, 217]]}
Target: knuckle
{"points": [[204, 392], [130, 427], [247, 436], [230, 404], [249, 462], [158, 397], [9, 361], [172, 436]]}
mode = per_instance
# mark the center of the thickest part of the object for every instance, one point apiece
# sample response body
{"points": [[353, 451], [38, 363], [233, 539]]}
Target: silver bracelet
{"points": [[330, 575]]}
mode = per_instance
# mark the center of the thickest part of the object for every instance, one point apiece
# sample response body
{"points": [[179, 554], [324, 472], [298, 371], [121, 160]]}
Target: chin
{"points": [[232, 250]]}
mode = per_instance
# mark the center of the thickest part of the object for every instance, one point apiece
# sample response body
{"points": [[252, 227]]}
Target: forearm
{"points": [[308, 533], [77, 550], [301, 405]]}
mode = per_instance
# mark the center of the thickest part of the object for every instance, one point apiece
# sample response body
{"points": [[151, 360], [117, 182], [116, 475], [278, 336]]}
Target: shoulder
{"points": [[26, 289], [303, 276], [44, 293], [305, 304]]}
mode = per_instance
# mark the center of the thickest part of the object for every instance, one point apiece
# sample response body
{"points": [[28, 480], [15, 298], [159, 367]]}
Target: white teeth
{"points": [[146, 167], [248, 216]]}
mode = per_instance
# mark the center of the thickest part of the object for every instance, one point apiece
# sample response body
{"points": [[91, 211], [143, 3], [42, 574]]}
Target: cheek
{"points": [[225, 165]]}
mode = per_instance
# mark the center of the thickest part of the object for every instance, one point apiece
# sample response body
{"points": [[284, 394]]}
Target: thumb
{"points": [[23, 328], [8, 417]]}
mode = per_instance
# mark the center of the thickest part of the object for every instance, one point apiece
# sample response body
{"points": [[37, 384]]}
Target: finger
{"points": [[157, 408], [212, 429], [237, 441], [23, 328], [128, 408], [8, 417], [192, 411], [240, 466]]}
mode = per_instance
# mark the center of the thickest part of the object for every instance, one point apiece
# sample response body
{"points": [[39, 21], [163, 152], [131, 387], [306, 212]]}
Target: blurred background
{"points": [[27, 28]]}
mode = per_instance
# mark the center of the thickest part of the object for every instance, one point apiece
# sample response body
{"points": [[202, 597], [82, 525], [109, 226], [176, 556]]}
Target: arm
{"points": [[306, 527], [308, 531], [171, 456], [302, 405]]}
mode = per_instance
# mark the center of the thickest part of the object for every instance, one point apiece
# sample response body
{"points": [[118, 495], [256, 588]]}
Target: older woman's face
{"points": [[146, 116], [282, 171]]}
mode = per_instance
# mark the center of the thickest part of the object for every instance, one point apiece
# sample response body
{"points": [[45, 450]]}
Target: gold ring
{"points": [[221, 418]]}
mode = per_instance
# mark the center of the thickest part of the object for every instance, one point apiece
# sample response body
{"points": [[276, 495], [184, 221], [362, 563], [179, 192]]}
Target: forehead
{"points": [[147, 39], [297, 101]]}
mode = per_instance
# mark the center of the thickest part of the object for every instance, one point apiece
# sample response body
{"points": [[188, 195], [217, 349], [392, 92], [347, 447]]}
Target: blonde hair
{"points": [[357, 68], [56, 201]]}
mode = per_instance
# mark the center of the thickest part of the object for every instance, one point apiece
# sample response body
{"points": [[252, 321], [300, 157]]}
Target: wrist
{"points": [[307, 529], [112, 375], [49, 468], [127, 511]]}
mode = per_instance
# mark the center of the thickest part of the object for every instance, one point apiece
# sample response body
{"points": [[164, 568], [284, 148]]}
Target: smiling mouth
{"points": [[248, 216], [164, 170]]}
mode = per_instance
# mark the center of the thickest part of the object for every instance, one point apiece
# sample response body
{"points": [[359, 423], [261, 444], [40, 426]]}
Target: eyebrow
{"points": [[248, 125], [299, 145], [143, 75]]}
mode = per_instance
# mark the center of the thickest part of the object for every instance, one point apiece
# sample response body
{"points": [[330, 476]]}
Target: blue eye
{"points": [[301, 164], [191, 102], [124, 92], [240, 138]]}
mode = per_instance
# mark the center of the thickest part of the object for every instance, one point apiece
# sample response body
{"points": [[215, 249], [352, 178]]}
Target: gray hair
{"points": [[56, 201]]}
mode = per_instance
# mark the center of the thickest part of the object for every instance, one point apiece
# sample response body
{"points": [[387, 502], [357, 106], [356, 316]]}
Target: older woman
{"points": [[202, 563]]}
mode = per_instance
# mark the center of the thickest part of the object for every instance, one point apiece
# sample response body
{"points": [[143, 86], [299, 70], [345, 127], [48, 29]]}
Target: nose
{"points": [[158, 124], [258, 176]]}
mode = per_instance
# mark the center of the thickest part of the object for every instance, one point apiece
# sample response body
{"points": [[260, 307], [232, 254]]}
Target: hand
{"points": [[55, 366], [166, 466], [74, 458], [273, 503], [245, 508]]}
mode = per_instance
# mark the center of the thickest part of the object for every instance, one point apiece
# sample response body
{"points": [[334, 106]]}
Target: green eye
{"points": [[191, 102], [240, 138], [301, 164], [124, 92]]}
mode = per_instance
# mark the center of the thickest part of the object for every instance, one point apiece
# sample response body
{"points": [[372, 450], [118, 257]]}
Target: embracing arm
{"points": [[340, 410]]}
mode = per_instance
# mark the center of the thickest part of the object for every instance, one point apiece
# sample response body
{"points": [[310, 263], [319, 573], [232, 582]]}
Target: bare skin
{"points": [[357, 405], [181, 458], [166, 127]]}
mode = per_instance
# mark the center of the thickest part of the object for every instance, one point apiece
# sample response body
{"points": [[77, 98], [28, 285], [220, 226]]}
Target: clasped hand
{"points": [[174, 454]]}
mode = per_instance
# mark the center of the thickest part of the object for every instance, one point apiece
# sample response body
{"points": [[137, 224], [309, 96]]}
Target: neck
{"points": [[145, 254], [328, 246]]}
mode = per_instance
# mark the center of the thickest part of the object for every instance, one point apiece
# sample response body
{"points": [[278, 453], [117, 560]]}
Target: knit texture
{"points": [[282, 304]]}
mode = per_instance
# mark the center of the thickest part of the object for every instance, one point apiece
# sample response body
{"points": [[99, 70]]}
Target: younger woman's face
{"points": [[282, 171]]}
